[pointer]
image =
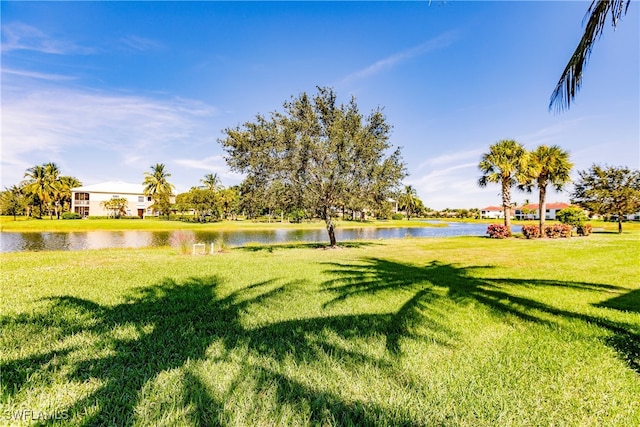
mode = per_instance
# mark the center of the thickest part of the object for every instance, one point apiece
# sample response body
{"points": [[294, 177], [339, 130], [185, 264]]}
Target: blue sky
{"points": [[107, 89]]}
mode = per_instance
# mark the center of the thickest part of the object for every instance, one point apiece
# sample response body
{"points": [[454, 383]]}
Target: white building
{"points": [[493, 212], [87, 200], [530, 211]]}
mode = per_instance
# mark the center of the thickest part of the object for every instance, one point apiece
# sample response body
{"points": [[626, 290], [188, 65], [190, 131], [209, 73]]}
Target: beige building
{"points": [[88, 200]]}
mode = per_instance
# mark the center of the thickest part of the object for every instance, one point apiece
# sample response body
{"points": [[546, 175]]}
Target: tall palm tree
{"points": [[155, 182], [547, 165], [505, 164], [571, 77], [157, 186], [212, 182], [37, 186], [409, 199], [54, 187]]}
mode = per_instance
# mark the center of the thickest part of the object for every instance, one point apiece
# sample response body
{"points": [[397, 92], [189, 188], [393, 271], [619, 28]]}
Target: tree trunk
{"points": [[619, 224], [332, 234], [542, 209], [330, 226], [506, 205]]}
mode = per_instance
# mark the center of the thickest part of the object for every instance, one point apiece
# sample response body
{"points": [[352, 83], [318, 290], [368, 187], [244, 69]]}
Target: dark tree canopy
{"points": [[319, 155], [608, 190]]}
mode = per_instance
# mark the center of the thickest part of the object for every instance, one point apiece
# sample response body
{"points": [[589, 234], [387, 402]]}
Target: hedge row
{"points": [[555, 231]]}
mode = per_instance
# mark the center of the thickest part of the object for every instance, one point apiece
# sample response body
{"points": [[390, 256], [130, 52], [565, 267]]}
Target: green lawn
{"points": [[458, 331]]}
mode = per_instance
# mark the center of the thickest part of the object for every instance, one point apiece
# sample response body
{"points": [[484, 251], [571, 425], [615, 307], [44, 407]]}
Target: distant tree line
{"points": [[44, 191]]}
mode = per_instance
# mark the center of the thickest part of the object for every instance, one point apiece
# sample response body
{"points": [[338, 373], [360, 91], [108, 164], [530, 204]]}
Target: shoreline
{"points": [[46, 225]]}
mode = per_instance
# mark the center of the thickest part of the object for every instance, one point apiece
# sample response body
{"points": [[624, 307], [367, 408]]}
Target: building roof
{"points": [[493, 208], [534, 206], [112, 187]]}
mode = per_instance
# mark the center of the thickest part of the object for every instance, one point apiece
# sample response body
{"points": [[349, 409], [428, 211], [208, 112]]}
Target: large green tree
{"points": [[504, 164], [319, 153], [157, 186], [571, 78], [547, 165], [608, 190], [12, 202]]}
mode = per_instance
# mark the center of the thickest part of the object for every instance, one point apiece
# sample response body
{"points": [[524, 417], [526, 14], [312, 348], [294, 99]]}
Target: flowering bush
{"points": [[498, 231], [558, 230], [584, 230], [531, 231]]}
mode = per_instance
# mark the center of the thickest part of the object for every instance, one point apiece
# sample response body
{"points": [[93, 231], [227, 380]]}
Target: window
{"points": [[140, 199], [149, 199], [115, 197], [81, 196]]}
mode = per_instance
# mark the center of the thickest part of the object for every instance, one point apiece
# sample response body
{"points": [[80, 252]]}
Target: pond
{"points": [[45, 241]]}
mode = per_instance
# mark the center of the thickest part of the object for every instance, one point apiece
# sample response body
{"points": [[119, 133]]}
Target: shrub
{"points": [[572, 216], [397, 216], [558, 230], [531, 231], [498, 231], [584, 230], [70, 215]]}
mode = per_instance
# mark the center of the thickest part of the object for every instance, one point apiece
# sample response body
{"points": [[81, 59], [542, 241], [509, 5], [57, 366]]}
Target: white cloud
{"points": [[551, 134], [391, 61], [452, 158], [139, 43], [19, 36], [36, 75], [43, 121]]}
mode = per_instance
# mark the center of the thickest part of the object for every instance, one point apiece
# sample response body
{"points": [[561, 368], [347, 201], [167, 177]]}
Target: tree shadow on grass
{"points": [[426, 284], [279, 246], [629, 301], [170, 325]]}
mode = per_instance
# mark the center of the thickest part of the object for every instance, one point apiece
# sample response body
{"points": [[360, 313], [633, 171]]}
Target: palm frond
{"points": [[571, 78]]}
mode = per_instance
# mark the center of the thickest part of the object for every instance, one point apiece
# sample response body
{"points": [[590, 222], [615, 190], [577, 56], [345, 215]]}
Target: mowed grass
{"points": [[459, 331]]}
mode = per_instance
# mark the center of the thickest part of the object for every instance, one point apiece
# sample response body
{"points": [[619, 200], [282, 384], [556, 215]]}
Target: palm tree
{"points": [[212, 182], [547, 165], [409, 199], [571, 77], [54, 187], [37, 185], [66, 184], [505, 163], [157, 186]]}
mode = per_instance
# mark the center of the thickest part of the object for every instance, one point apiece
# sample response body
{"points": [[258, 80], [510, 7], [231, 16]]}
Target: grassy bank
{"points": [[459, 331], [23, 224]]}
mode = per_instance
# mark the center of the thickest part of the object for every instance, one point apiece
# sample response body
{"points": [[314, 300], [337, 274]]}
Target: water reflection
{"points": [[45, 241]]}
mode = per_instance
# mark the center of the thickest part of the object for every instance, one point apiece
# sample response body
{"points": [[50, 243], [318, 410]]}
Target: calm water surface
{"points": [[46, 241]]}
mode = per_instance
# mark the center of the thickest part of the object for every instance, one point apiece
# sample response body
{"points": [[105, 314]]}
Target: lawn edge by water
{"points": [[7, 224]]}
